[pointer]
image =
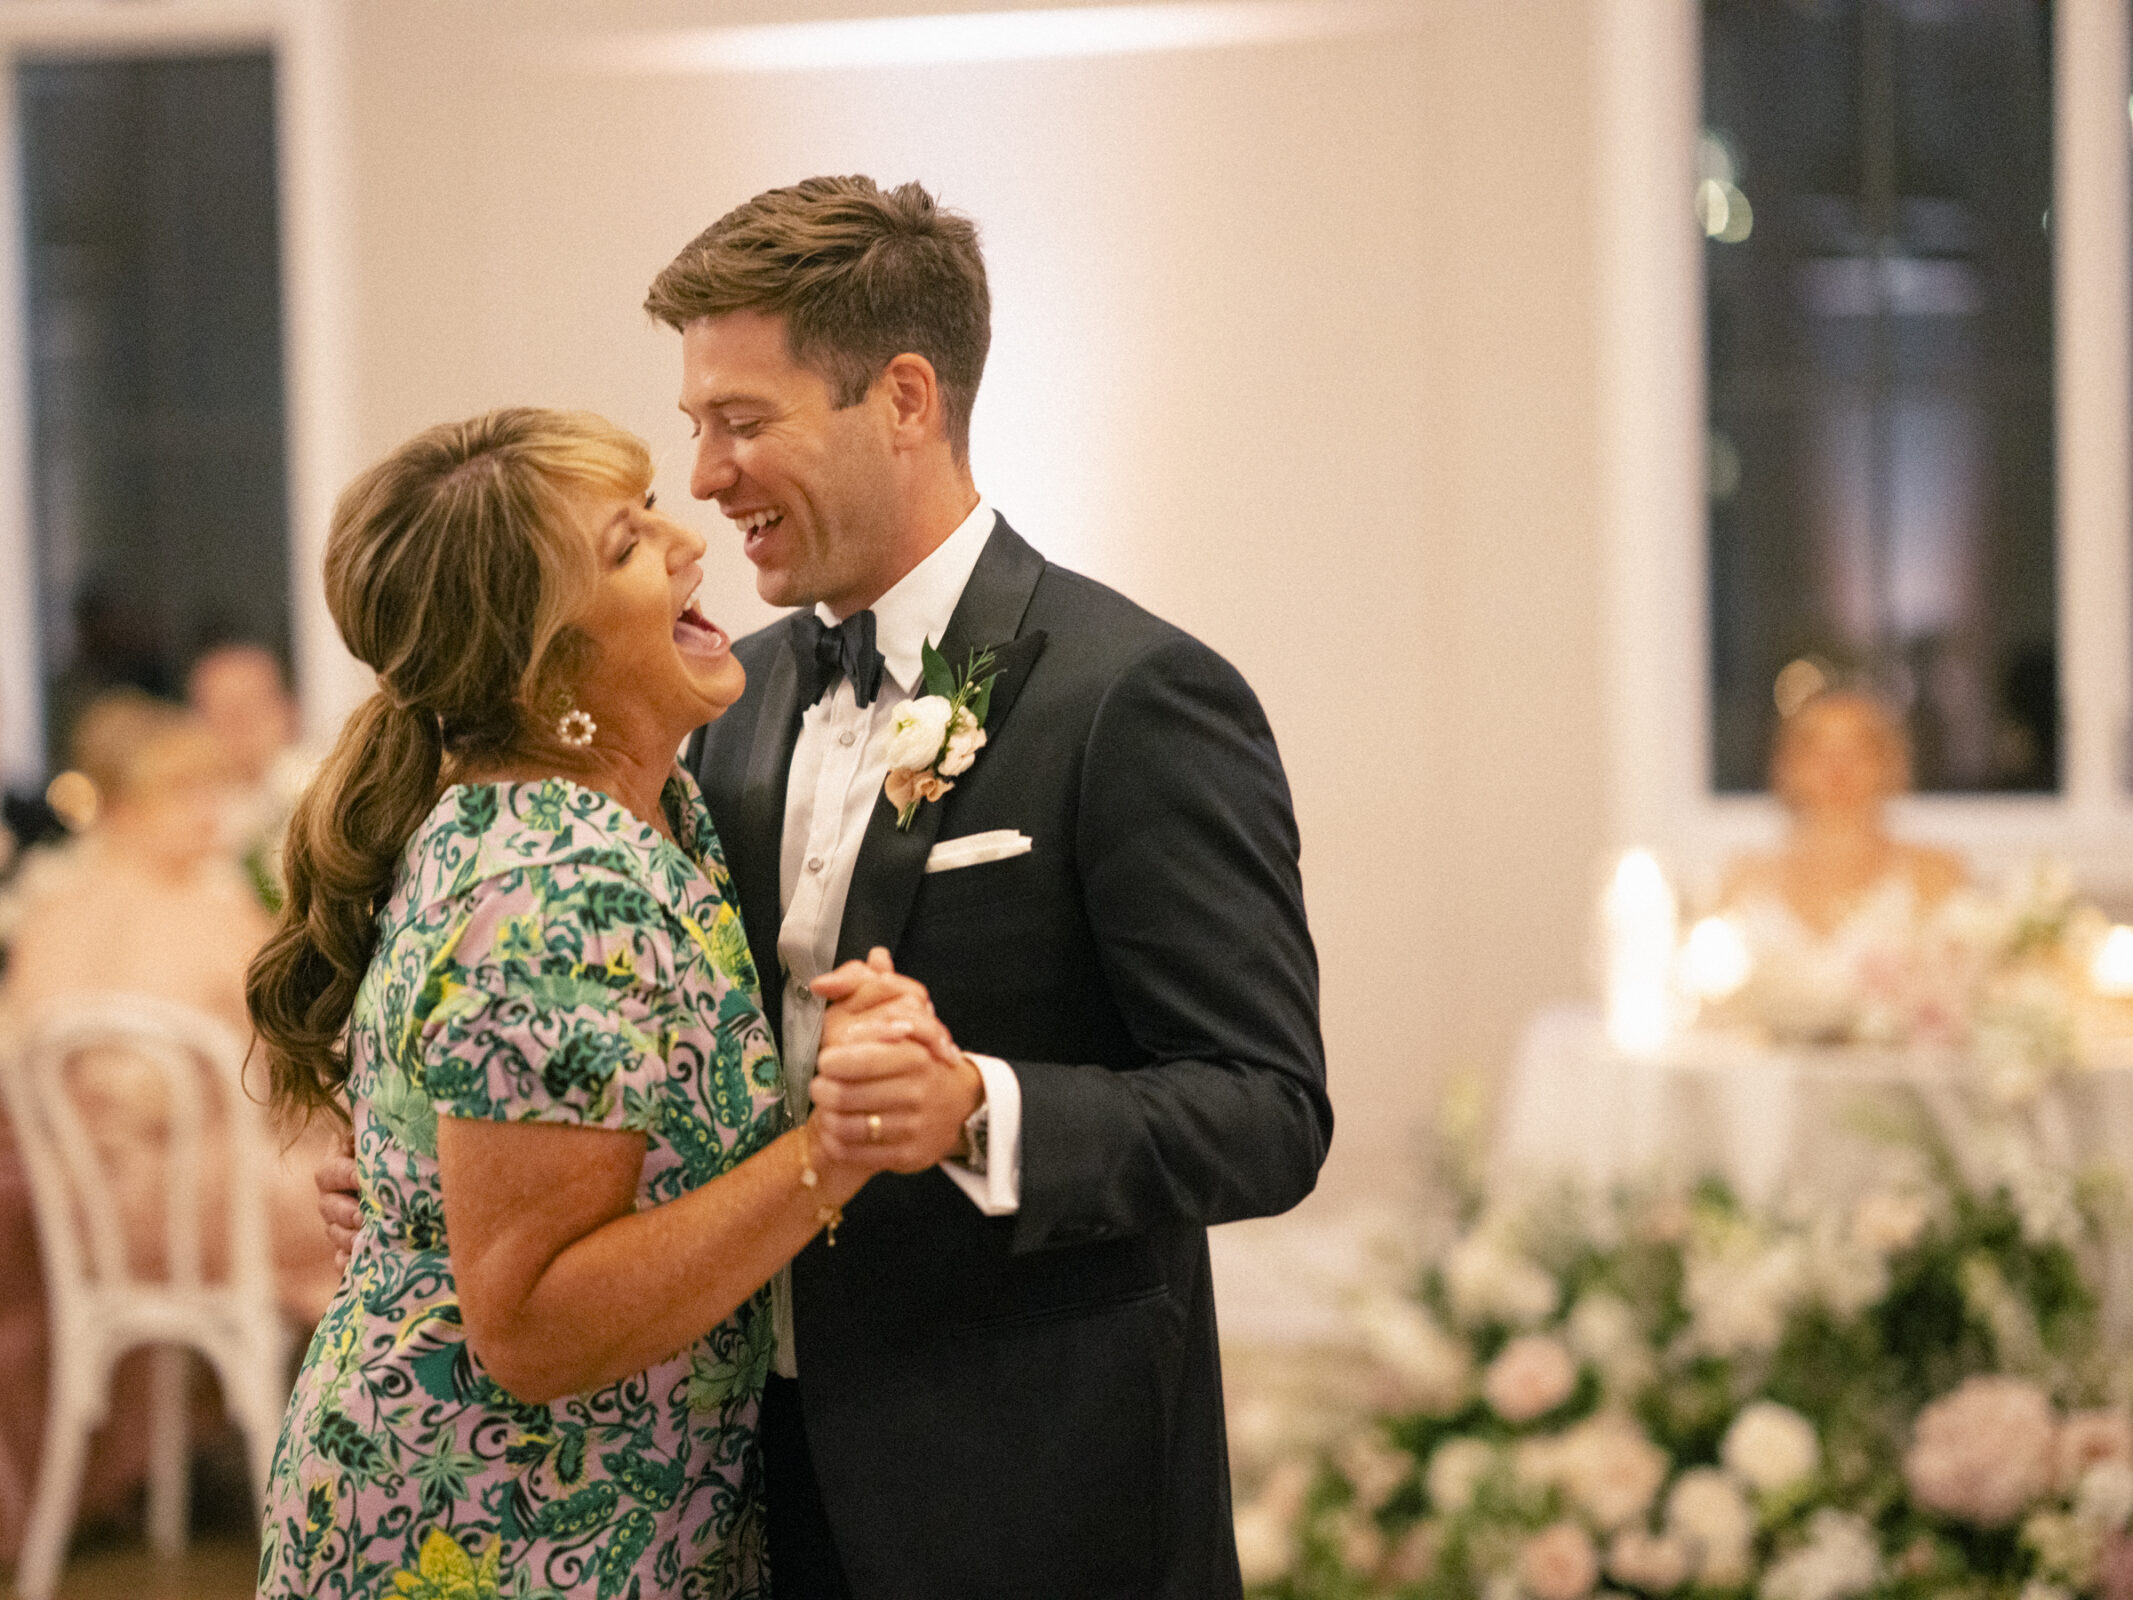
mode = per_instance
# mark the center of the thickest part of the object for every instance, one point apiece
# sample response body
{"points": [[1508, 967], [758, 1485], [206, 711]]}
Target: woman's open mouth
{"points": [[695, 636]]}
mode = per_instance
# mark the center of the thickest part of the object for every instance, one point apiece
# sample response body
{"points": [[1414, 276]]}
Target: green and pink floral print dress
{"points": [[545, 957]]}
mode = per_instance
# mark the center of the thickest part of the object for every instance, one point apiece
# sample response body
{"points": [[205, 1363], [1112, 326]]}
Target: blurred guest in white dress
{"points": [[1836, 918], [146, 901]]}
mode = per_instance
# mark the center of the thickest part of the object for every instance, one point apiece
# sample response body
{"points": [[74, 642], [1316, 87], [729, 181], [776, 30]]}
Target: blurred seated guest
{"points": [[1835, 919], [149, 900], [240, 694], [101, 740], [145, 901]]}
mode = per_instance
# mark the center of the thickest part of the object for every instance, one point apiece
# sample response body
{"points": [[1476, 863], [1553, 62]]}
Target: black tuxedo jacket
{"points": [[1031, 1405]]}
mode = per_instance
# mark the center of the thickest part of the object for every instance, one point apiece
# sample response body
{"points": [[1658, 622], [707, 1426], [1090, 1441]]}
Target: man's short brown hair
{"points": [[860, 276]]}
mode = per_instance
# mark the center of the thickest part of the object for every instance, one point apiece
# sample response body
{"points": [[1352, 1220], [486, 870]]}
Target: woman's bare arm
{"points": [[565, 1286]]}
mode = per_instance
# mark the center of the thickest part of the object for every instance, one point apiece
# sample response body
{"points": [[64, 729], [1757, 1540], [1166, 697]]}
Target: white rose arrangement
{"points": [[1668, 1395]]}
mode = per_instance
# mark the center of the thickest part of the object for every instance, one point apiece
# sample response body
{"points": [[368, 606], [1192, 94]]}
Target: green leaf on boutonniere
{"points": [[976, 689], [939, 676]]}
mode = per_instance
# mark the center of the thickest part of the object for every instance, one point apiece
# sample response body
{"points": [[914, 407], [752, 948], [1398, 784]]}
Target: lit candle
{"points": [[2111, 968], [1641, 924], [1715, 960]]}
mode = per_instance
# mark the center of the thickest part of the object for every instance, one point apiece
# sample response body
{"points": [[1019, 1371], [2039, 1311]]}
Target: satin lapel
{"points": [[891, 861], [754, 857]]}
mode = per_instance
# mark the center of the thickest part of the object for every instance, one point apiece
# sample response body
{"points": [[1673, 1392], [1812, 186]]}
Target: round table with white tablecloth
{"points": [[1776, 1121]]}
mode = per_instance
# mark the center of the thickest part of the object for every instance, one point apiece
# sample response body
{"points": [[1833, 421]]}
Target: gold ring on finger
{"points": [[874, 1127]]}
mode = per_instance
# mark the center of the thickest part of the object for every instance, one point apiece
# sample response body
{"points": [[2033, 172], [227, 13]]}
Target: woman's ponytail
{"points": [[343, 848]]}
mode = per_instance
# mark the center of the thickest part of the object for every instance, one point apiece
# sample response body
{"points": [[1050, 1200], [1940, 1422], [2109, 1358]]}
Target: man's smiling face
{"points": [[807, 484]]}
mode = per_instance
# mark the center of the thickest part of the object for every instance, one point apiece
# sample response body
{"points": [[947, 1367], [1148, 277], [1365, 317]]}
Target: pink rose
{"points": [[1559, 1563], [1668, 1220], [1983, 1452], [1532, 1376], [1415, 1556], [1917, 1560], [2116, 1581], [1357, 1536], [1655, 1563], [1610, 1470], [2089, 1438]]}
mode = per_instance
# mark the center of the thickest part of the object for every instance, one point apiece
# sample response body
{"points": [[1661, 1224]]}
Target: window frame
{"points": [[307, 43], [1651, 424]]}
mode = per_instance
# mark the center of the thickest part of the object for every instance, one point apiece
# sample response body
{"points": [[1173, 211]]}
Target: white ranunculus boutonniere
{"points": [[936, 737]]}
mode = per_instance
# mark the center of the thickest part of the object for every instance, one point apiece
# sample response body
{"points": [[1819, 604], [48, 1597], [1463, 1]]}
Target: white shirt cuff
{"points": [[997, 1191]]}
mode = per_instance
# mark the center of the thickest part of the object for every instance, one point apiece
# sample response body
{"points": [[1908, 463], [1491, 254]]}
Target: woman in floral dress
{"points": [[511, 952]]}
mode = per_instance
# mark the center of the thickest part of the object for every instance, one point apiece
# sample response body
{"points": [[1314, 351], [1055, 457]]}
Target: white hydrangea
{"points": [[1604, 1333], [1771, 1447], [2067, 1549], [1358, 1538], [1845, 1273], [1266, 1544], [1266, 1524], [1373, 1468], [1601, 1326], [1434, 1368], [1738, 1301], [1489, 1283], [1457, 1469], [2104, 1500], [1841, 1558], [1656, 1563], [1889, 1220], [1708, 1510]]}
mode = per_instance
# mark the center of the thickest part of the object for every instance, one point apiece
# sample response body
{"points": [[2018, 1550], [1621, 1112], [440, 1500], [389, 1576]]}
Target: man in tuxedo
{"points": [[1002, 1378]]}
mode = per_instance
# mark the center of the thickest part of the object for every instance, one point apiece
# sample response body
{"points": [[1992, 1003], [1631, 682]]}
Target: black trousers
{"points": [[803, 1554]]}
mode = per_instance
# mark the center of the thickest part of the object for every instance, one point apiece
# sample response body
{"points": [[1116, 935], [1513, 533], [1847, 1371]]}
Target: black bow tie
{"points": [[825, 651]]}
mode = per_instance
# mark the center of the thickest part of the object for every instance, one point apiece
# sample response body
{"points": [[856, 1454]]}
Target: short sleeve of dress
{"points": [[552, 1002]]}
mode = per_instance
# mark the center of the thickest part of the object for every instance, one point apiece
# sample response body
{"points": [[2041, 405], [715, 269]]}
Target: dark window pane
{"points": [[1875, 185], [156, 370]]}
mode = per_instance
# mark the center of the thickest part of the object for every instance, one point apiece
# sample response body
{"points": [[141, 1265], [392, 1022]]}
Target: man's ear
{"points": [[913, 392]]}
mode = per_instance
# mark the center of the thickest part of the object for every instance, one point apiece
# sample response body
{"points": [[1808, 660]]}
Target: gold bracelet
{"points": [[826, 1216]]}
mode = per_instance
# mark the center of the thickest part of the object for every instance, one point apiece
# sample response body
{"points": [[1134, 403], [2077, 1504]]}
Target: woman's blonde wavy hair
{"points": [[454, 570]]}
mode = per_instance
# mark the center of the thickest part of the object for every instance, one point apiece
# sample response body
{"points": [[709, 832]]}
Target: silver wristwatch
{"points": [[976, 1127]]}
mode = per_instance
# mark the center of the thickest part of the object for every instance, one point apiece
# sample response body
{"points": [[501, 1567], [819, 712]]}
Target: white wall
{"points": [[1293, 344]]}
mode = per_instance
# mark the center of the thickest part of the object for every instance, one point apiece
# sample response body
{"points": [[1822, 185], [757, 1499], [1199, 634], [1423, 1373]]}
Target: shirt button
{"points": [[847, 736], [814, 863]]}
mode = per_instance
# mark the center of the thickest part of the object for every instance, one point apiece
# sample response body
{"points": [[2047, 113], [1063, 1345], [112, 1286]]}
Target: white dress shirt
{"points": [[838, 766]]}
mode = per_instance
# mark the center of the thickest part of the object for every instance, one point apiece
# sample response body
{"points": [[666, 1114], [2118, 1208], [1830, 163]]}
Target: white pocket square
{"points": [[975, 848]]}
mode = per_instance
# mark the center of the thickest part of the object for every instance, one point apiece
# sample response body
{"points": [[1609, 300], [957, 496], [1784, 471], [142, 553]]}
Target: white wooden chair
{"points": [[99, 1305]]}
